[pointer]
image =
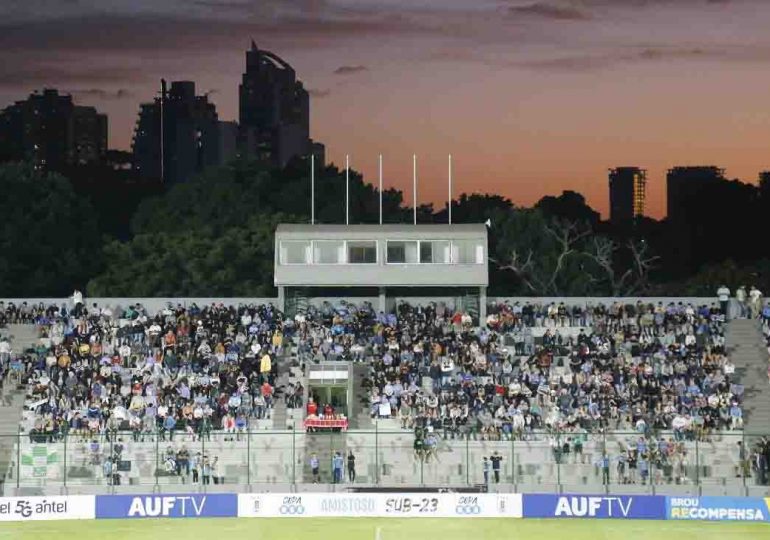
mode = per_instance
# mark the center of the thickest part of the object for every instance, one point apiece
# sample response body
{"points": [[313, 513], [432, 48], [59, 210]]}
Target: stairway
{"points": [[472, 305], [745, 344], [361, 419], [289, 372], [296, 302], [323, 445], [12, 396]]}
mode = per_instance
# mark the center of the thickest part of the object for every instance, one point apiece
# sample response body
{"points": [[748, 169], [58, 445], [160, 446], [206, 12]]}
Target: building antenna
{"points": [[312, 189], [380, 189], [449, 206], [414, 185], [347, 189]]}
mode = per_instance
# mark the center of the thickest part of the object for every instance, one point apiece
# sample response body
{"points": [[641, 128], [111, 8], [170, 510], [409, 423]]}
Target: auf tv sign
{"points": [[172, 506], [594, 506], [167, 506]]}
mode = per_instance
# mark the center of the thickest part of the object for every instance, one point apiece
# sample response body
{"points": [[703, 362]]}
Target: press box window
{"points": [[295, 252], [434, 251], [400, 252], [467, 252], [362, 252], [329, 252]]}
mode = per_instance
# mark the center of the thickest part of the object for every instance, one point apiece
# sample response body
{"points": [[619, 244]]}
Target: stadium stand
{"points": [[562, 394]]}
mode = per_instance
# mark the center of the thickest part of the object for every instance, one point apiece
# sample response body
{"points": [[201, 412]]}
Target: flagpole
{"points": [[312, 189], [414, 185], [450, 189], [380, 189], [347, 189]]}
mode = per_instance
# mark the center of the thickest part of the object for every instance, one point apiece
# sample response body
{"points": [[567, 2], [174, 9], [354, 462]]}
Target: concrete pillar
{"points": [[482, 306], [382, 300], [282, 298]]}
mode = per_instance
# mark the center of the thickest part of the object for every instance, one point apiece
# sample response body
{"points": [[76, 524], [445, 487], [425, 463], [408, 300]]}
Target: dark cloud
{"points": [[589, 62], [100, 93], [31, 71], [560, 12], [164, 34], [318, 92], [349, 70]]}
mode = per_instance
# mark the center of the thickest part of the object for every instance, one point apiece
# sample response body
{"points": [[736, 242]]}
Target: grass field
{"points": [[379, 529]]}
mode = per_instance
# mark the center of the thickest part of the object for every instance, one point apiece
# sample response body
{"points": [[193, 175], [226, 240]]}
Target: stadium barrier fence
{"points": [[703, 464]]}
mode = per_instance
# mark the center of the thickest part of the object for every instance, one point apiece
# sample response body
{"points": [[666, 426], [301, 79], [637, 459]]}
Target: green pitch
{"points": [[379, 529]]}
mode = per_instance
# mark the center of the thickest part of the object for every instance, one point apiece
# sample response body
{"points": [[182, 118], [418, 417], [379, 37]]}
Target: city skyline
{"points": [[530, 98]]}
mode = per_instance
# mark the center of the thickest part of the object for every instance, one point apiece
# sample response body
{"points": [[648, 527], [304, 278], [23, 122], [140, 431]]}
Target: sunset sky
{"points": [[529, 97]]}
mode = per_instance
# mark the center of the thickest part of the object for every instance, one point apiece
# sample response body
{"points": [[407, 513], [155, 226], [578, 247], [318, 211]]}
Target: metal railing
{"points": [[542, 462]]}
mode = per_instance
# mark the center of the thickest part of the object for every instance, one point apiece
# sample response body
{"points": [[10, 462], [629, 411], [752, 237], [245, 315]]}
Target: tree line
{"points": [[213, 236]]}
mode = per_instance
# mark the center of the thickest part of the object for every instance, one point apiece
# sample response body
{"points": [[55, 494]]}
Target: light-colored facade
{"points": [[381, 256]]}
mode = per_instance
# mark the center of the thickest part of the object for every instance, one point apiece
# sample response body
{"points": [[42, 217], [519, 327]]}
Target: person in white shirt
{"points": [[5, 354], [755, 298], [740, 296], [723, 293]]}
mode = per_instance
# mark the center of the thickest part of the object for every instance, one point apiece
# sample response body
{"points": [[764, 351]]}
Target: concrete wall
{"points": [[156, 304]]}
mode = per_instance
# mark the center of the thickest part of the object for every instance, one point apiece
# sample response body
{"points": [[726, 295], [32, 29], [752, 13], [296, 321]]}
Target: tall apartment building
{"points": [[51, 132], [186, 142], [628, 187], [274, 111]]}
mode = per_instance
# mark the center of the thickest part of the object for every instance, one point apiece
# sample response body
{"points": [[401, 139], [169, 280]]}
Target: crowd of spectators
{"points": [[184, 370], [572, 370], [632, 366]]}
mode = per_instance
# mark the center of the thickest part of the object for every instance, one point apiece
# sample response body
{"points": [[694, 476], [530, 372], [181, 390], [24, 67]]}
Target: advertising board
{"points": [[379, 505], [594, 506], [718, 508], [167, 506], [46, 508]]}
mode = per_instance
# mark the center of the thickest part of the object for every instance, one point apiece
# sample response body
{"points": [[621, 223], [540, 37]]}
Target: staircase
{"points": [[289, 373], [12, 395], [324, 445], [361, 419], [745, 344], [472, 305], [296, 302]]}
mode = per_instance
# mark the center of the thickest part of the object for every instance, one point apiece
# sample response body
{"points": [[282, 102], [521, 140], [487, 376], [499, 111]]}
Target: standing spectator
{"points": [[486, 466], [723, 293], [206, 470], [496, 459], [605, 463], [755, 299], [107, 467], [315, 467], [5, 355], [740, 297], [337, 463], [195, 462], [351, 467], [215, 471]]}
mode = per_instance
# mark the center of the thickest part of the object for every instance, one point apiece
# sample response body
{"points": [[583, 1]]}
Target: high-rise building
{"points": [[764, 181], [185, 143], [628, 187], [50, 131], [683, 182], [274, 110]]}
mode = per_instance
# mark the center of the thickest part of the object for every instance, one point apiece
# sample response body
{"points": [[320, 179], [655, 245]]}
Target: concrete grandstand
{"points": [[522, 373]]}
